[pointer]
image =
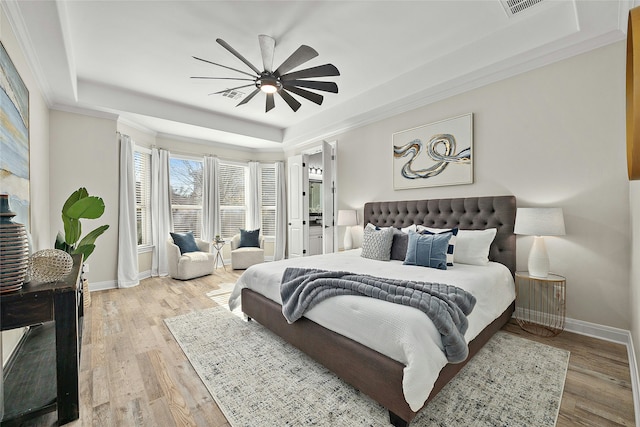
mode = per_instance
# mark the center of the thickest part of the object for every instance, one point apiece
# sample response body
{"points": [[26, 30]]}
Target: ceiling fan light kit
{"points": [[280, 81]]}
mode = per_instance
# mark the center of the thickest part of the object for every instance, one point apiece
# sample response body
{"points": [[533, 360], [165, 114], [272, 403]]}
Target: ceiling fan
{"points": [[280, 80]]}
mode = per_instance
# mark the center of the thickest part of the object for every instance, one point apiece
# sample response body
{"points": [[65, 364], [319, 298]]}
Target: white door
{"points": [[298, 206], [328, 198]]}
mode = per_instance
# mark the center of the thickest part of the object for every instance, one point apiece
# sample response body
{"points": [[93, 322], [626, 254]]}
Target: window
{"points": [[233, 207], [268, 199], [142, 170], [185, 179]]}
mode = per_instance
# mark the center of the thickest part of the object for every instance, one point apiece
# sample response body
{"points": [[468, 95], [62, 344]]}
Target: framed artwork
{"points": [[14, 138], [435, 154]]}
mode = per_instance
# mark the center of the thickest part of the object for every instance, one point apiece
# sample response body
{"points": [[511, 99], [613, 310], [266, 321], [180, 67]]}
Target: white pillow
{"points": [[472, 246], [412, 227]]}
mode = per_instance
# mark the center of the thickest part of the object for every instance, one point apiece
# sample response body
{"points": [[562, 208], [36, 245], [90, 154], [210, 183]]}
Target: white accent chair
{"points": [[191, 264], [243, 258]]}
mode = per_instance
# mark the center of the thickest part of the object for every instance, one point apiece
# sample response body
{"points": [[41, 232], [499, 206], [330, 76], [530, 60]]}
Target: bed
{"points": [[383, 366]]}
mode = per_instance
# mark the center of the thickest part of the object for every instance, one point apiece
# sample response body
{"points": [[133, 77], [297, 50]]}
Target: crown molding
{"points": [[19, 27]]}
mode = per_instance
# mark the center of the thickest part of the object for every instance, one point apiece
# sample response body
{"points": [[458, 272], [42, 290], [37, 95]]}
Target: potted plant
{"points": [[80, 205]]}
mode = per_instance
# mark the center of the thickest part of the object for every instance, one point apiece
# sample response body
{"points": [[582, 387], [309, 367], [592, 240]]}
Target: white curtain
{"points": [[210, 199], [281, 213], [127, 228], [253, 204], [161, 222]]}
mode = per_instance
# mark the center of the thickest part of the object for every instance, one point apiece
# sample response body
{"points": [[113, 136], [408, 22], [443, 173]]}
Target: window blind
{"points": [[142, 170], [268, 199], [233, 207]]}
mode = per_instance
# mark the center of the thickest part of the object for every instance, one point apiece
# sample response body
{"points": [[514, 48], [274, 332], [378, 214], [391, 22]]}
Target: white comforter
{"points": [[399, 332]]}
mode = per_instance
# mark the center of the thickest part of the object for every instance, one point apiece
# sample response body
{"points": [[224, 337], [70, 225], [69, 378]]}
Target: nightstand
{"points": [[540, 303]]}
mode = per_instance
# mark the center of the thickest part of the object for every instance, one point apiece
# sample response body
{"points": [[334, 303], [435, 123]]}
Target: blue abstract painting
{"points": [[14, 138]]}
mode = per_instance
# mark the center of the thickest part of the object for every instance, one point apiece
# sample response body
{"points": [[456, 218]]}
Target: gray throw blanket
{"points": [[447, 306]]}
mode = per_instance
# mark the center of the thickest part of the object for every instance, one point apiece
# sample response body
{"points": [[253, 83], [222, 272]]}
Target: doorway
{"points": [[312, 200]]}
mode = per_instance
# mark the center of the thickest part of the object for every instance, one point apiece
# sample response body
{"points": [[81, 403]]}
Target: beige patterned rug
{"points": [[259, 380]]}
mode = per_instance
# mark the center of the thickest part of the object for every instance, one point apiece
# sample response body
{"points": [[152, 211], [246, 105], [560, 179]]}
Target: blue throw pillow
{"points": [[452, 240], [428, 250], [185, 241], [249, 238]]}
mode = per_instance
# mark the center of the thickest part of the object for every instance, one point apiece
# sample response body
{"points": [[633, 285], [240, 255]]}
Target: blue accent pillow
{"points": [[428, 250], [185, 241], [452, 241], [249, 238]]}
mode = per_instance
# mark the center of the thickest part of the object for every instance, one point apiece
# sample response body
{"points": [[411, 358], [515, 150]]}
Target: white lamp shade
{"points": [[539, 222], [347, 217]]}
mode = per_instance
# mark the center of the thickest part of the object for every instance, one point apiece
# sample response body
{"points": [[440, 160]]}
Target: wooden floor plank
{"points": [[133, 372]]}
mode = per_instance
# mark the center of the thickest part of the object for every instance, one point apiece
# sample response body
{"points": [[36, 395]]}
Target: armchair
{"points": [[190, 264], [245, 257]]}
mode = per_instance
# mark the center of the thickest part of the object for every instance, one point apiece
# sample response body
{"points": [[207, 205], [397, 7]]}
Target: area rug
{"points": [[221, 295], [259, 380]]}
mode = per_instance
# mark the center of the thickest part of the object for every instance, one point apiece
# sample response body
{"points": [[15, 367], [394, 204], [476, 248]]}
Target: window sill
{"points": [[144, 249]]}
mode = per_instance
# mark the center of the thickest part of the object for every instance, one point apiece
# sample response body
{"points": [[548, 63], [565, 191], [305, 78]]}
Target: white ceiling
{"points": [[134, 58]]}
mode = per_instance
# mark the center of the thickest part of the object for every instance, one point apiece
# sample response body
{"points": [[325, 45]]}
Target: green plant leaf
{"points": [[85, 250], [72, 230], [80, 193], [89, 207], [91, 237]]}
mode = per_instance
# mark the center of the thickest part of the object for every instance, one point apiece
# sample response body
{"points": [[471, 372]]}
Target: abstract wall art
{"points": [[435, 154], [14, 138]]}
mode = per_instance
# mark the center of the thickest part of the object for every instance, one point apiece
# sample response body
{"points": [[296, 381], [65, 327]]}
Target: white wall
{"points": [[38, 161], [84, 153], [552, 137]]}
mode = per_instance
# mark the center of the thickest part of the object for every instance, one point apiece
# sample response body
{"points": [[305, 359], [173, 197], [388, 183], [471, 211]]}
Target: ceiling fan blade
{"points": [[248, 97], [270, 102], [267, 49], [227, 90], [222, 78], [237, 55], [293, 103], [319, 71], [303, 54], [314, 84], [223, 66], [313, 97]]}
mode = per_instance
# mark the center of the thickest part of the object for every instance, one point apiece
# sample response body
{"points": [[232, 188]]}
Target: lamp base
{"points": [[348, 239], [538, 258]]}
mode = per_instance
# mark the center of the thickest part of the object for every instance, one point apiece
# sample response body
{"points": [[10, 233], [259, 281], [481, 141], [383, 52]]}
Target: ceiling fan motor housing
{"points": [[268, 83]]}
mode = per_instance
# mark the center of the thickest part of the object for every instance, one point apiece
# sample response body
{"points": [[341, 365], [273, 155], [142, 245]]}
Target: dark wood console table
{"points": [[31, 386]]}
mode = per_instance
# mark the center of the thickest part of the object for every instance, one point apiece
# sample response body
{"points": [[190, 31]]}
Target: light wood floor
{"points": [[133, 373]]}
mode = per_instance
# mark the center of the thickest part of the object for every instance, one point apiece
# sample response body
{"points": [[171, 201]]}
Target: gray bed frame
{"points": [[371, 372]]}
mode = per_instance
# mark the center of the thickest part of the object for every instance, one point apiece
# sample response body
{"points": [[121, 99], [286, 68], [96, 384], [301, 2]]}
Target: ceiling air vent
{"points": [[513, 7], [233, 94]]}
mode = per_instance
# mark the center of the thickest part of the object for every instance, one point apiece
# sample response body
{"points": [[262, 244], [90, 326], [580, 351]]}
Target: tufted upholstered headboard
{"points": [[470, 213]]}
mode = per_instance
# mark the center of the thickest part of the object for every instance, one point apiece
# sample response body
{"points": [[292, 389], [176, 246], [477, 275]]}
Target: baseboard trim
{"points": [[102, 286], [607, 333]]}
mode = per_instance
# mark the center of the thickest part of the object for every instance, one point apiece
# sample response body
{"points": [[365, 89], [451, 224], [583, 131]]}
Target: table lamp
{"points": [[539, 222], [347, 218]]}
